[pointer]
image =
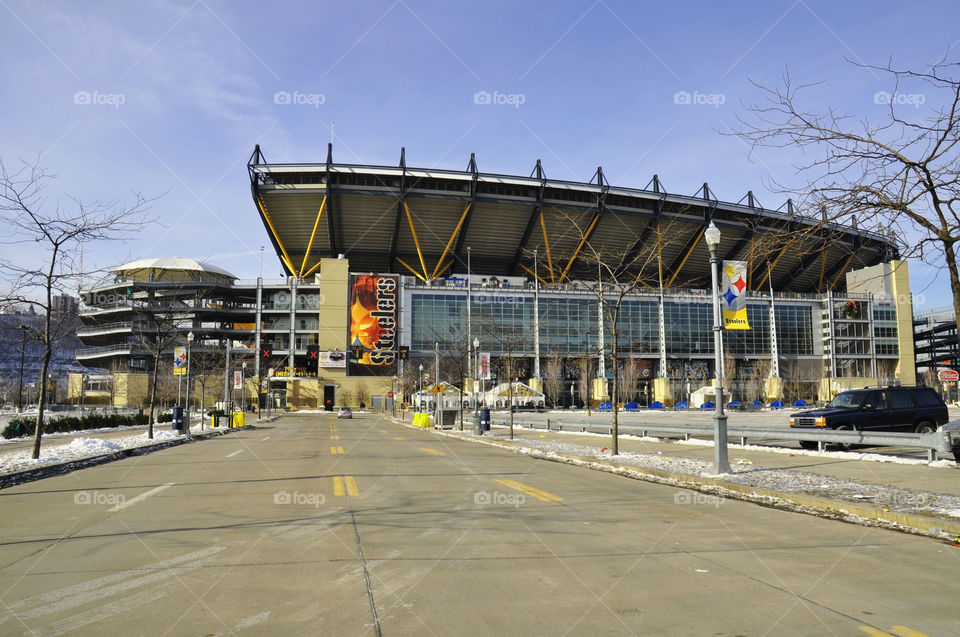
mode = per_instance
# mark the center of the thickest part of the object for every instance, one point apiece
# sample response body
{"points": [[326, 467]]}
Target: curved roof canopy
{"points": [[423, 222], [173, 270]]}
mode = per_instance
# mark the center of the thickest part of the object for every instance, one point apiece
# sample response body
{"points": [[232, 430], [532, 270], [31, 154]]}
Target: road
{"points": [[314, 526]]}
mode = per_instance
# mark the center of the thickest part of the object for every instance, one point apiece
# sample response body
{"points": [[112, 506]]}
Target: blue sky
{"points": [[168, 97]]}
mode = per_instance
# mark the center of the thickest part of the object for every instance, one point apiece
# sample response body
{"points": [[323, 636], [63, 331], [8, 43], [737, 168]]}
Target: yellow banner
{"points": [[735, 320]]}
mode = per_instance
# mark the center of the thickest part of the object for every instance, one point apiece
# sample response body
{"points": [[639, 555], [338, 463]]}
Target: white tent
{"points": [[448, 395], [522, 396]]}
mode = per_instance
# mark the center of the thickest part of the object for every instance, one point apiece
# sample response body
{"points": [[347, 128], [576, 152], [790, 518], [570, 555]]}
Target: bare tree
{"points": [[511, 342], [54, 234], [902, 170], [629, 375], [621, 273], [362, 392], [553, 378], [586, 368], [207, 367], [161, 318]]}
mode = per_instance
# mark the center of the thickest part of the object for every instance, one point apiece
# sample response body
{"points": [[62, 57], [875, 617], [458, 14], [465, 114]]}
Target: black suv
{"points": [[912, 409]]}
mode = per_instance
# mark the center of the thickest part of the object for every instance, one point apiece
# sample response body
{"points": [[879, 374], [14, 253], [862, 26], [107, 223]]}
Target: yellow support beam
{"points": [[453, 236], [313, 235], [546, 243], [576, 253], [531, 273], [833, 284], [412, 271], [772, 266], [750, 265], [416, 242], [311, 270], [286, 257], [444, 268], [686, 256]]}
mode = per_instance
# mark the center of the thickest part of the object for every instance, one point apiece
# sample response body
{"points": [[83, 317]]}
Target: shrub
{"points": [[20, 426]]}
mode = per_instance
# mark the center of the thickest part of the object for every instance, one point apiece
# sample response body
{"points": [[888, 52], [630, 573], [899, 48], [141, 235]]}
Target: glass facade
{"points": [[568, 325]]}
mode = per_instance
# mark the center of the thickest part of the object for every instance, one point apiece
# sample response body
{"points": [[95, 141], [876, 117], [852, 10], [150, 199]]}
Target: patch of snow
{"points": [[91, 446], [786, 481]]}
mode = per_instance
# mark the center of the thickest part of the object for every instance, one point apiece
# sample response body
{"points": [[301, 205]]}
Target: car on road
{"points": [[345, 412], [910, 409]]}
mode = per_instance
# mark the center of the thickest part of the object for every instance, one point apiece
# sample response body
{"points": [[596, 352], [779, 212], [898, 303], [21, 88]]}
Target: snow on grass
{"points": [[747, 474], [699, 442], [79, 448]]}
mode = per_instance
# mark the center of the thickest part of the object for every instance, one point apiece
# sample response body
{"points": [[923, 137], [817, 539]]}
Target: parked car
{"points": [[345, 412], [911, 409]]}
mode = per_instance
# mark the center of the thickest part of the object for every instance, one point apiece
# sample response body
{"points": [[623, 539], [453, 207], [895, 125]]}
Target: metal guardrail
{"points": [[939, 442]]}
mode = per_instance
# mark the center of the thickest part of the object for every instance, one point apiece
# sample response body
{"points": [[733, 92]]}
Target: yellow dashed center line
{"points": [[903, 631], [334, 437], [399, 438], [336, 450], [531, 491], [433, 452], [340, 482]]}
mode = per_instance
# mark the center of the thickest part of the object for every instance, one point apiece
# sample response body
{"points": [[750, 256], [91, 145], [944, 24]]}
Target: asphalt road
{"points": [[313, 526]]}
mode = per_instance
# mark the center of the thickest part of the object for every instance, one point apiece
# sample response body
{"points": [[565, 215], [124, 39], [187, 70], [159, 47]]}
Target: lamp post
{"points": [[243, 388], [720, 462], [469, 318], [420, 392], [476, 374], [190, 338]]}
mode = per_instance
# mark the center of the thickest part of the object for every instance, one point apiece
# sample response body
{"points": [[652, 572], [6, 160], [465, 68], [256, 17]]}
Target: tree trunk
{"points": [[951, 260], [38, 434], [153, 394], [615, 443]]}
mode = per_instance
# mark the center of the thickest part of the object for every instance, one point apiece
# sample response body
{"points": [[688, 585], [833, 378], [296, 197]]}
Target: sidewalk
{"points": [[909, 495]]}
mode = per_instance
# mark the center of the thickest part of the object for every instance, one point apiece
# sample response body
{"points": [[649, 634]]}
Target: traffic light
{"points": [[313, 358], [265, 353], [404, 353]]}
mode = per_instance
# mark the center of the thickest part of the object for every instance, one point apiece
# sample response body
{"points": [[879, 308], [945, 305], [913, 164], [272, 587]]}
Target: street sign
{"points": [[237, 380], [947, 375]]}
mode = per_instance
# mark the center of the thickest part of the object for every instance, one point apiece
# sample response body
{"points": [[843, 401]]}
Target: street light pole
{"points": [[720, 462], [190, 338], [469, 318], [420, 392], [476, 374], [243, 388]]}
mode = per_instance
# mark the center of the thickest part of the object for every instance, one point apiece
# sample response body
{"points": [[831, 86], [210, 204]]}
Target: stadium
{"points": [[379, 260]]}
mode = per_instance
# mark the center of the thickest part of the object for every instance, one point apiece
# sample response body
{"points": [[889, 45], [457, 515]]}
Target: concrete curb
{"points": [[32, 475], [864, 514]]}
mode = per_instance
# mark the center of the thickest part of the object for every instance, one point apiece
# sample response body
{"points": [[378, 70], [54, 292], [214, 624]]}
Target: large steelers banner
{"points": [[373, 324], [733, 296]]}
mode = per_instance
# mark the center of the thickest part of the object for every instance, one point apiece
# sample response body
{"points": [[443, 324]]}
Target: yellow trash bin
{"points": [[236, 419]]}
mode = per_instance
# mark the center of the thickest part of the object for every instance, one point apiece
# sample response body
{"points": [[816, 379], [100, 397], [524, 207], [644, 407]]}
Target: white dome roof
{"points": [[172, 263]]}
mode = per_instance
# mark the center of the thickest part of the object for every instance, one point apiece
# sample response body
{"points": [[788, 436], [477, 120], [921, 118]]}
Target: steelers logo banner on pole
{"points": [[733, 295]]}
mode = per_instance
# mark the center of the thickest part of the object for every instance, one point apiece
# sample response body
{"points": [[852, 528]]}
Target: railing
{"points": [[942, 441], [89, 352]]}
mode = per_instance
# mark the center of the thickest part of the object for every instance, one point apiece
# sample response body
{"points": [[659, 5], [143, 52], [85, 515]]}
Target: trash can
{"points": [[485, 419], [477, 428], [178, 419]]}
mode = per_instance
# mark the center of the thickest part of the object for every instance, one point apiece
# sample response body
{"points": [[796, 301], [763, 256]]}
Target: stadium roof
{"points": [[421, 221], [158, 269]]}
